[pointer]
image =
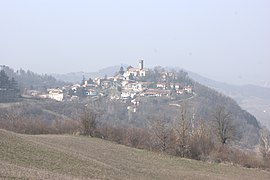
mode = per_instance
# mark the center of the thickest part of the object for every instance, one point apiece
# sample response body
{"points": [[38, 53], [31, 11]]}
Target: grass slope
{"points": [[70, 157]]}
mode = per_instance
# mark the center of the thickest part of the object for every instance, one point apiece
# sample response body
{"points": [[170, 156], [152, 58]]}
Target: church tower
{"points": [[141, 64]]}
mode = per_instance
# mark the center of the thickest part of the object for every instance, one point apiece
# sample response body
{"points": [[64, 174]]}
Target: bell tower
{"points": [[141, 64]]}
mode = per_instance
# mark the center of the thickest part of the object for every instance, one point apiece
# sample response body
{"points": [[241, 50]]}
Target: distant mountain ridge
{"points": [[254, 99], [243, 90], [75, 77]]}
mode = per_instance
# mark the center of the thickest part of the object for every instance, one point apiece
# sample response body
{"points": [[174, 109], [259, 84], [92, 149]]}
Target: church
{"points": [[136, 72]]}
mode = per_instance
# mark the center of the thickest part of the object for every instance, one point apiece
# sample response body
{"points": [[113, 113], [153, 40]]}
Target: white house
{"points": [[188, 89], [161, 85], [91, 92], [156, 93], [56, 94], [128, 94], [134, 87]]}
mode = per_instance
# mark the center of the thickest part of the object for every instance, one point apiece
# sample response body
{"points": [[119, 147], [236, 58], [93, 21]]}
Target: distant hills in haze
{"points": [[237, 91], [76, 77], [254, 99]]}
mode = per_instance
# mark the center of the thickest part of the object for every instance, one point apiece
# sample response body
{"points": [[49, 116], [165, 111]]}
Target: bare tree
{"points": [[182, 129], [223, 124], [200, 141], [160, 128], [137, 137], [88, 122], [265, 143]]}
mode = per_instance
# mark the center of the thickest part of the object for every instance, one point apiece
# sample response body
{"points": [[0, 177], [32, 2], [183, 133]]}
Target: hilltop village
{"points": [[156, 108], [126, 86]]}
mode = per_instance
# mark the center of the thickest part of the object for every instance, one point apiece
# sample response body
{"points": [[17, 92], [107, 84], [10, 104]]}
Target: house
{"points": [[149, 94], [125, 95], [166, 75], [177, 86], [174, 85], [91, 92], [33, 93], [115, 97], [74, 98], [188, 89], [128, 94], [156, 93], [162, 85], [75, 87], [43, 96], [135, 102], [138, 87], [98, 81], [132, 109], [56, 94], [119, 78], [87, 85], [105, 84], [180, 91]]}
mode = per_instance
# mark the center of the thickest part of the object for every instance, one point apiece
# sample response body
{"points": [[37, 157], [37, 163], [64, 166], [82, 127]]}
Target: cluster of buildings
{"points": [[126, 85]]}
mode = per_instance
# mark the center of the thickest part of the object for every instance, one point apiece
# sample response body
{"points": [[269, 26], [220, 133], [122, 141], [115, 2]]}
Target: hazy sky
{"points": [[226, 40]]}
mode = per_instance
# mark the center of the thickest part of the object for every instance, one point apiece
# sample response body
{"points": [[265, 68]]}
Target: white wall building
{"points": [[56, 94]]}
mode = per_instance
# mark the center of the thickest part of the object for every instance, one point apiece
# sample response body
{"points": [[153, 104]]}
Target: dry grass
{"points": [[70, 157], [12, 171]]}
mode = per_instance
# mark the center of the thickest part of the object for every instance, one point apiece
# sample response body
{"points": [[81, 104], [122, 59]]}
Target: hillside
{"points": [[254, 99], [72, 157], [112, 103]]}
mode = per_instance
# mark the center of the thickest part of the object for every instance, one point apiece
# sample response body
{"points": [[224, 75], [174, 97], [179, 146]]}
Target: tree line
{"points": [[30, 80], [9, 90]]}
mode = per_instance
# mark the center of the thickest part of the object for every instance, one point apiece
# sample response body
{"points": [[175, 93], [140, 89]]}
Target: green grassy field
{"points": [[73, 157]]}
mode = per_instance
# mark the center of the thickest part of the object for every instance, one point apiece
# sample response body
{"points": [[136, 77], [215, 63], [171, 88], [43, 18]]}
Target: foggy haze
{"points": [[224, 40]]}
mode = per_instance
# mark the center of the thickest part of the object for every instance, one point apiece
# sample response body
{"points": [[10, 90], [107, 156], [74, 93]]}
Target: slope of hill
{"points": [[70, 157], [254, 99]]}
